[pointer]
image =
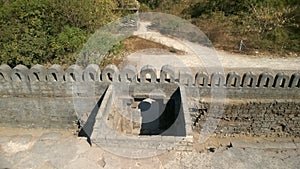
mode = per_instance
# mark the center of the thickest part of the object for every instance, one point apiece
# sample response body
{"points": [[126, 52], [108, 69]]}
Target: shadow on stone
{"points": [[87, 129], [167, 115]]}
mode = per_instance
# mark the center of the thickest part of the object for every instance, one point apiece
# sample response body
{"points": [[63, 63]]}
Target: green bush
{"points": [[41, 31], [271, 28]]}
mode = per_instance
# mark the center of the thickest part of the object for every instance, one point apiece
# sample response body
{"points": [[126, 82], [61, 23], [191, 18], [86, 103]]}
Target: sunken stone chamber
{"points": [[136, 113], [150, 109]]}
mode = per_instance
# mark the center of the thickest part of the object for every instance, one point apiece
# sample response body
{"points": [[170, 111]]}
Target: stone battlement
{"points": [[52, 97], [38, 74]]}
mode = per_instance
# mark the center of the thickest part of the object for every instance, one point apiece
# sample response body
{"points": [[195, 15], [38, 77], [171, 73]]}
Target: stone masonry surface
{"points": [[56, 98]]}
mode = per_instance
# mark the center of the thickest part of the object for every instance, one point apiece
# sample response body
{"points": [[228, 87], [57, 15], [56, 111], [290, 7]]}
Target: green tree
{"points": [[40, 31]]}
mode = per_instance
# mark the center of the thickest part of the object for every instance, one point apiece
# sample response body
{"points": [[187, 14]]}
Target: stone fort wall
{"points": [[256, 104]]}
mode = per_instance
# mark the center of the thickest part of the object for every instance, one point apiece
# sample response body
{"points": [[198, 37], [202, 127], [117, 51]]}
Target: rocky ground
{"points": [[49, 149]]}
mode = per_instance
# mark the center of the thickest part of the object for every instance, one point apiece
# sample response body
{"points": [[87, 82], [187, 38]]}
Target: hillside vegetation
{"points": [[54, 31], [267, 26]]}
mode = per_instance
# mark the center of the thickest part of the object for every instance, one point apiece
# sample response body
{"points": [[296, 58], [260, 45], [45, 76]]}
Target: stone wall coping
{"points": [[38, 74]]}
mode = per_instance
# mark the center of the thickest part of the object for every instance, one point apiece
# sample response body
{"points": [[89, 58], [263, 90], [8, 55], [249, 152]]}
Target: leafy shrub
{"points": [[35, 31]]}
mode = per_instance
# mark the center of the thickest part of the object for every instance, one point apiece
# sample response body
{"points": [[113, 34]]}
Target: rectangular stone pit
{"points": [[144, 116]]}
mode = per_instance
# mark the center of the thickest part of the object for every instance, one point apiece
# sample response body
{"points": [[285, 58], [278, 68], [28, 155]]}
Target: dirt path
{"points": [[199, 57]]}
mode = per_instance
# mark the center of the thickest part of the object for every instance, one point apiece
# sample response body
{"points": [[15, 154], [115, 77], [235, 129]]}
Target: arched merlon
{"points": [[148, 69], [295, 80], [185, 78], [167, 70], [110, 74], [92, 73], [73, 74], [201, 79], [265, 80], [281, 80], [5, 72], [249, 80], [129, 74], [55, 74], [20, 74], [217, 80], [233, 80], [37, 73]]}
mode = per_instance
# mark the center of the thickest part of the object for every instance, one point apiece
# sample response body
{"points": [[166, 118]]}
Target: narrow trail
{"points": [[198, 57]]}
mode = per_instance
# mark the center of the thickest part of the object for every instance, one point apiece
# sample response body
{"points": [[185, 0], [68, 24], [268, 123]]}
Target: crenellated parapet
{"points": [[44, 96], [148, 74]]}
